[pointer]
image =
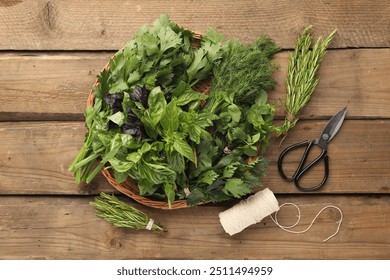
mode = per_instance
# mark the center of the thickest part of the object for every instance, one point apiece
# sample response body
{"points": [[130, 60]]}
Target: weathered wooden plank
{"points": [[34, 158], [354, 78], [91, 25], [358, 157], [47, 86], [67, 228]]}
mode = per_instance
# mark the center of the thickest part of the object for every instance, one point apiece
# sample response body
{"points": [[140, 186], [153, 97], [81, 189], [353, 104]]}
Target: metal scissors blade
{"points": [[332, 127]]}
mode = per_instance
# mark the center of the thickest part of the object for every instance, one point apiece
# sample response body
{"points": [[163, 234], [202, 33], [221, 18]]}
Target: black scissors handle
{"points": [[302, 169]]}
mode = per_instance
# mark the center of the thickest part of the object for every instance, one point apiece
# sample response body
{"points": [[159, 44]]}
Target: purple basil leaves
{"points": [[140, 94], [133, 126], [134, 129], [114, 100]]}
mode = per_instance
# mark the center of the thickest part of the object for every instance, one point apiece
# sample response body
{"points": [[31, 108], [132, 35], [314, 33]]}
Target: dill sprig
{"points": [[111, 209], [245, 72], [303, 65]]}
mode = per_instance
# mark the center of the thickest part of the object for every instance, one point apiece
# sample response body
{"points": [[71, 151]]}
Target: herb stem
{"points": [[93, 174], [87, 171], [88, 159]]}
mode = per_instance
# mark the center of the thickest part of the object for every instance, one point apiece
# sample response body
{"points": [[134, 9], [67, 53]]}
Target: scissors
{"points": [[330, 130]]}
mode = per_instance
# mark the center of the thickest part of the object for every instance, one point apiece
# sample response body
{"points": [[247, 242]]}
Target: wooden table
{"points": [[51, 52]]}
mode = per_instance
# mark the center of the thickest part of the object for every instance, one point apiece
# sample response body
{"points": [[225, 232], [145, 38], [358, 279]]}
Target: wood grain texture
{"points": [[359, 156], [107, 25], [357, 79], [42, 86], [67, 228], [34, 158]]}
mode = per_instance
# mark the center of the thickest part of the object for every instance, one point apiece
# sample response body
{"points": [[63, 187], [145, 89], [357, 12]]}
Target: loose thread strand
{"points": [[287, 228]]}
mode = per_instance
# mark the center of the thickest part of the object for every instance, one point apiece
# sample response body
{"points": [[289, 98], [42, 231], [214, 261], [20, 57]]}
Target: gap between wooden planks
{"points": [[34, 158], [67, 228], [98, 24], [38, 86]]}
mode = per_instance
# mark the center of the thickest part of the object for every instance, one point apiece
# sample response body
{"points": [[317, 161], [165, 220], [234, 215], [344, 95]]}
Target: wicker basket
{"points": [[130, 187]]}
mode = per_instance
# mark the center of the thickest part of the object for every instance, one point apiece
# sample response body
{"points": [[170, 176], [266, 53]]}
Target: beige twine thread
{"points": [[290, 118], [286, 228], [149, 225], [260, 205]]}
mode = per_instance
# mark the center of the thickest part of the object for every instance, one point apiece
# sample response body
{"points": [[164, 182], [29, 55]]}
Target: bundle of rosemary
{"points": [[303, 65], [120, 214]]}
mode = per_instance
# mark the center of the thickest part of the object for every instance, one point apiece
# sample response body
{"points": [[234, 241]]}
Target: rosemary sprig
{"points": [[303, 65], [111, 209]]}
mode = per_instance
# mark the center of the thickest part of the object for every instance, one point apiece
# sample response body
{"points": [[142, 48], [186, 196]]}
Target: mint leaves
{"points": [[148, 123]]}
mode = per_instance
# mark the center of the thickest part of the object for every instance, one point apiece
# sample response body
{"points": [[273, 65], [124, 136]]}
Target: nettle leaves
{"points": [[148, 123]]}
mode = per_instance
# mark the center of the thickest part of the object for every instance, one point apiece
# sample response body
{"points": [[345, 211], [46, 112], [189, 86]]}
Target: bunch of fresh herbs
{"points": [[120, 214], [147, 121], [231, 162], [303, 66]]}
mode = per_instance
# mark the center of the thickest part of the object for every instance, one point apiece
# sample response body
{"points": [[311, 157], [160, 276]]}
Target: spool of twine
{"points": [[249, 211]]}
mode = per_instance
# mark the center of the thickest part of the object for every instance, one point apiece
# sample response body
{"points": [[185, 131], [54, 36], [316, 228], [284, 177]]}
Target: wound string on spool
{"points": [[249, 211]]}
